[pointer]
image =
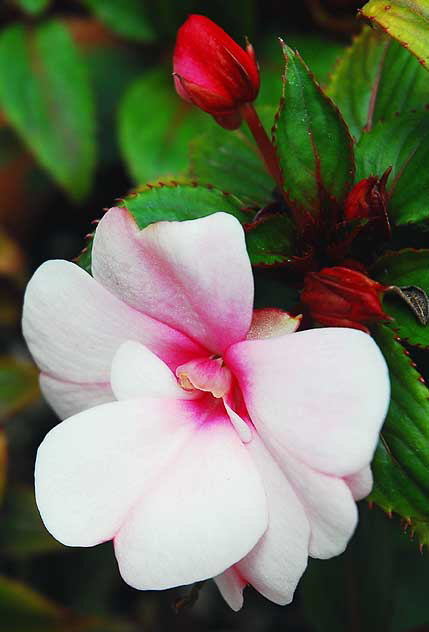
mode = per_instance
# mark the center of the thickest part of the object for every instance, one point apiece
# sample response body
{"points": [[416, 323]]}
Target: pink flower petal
{"points": [[329, 506], [93, 467], [193, 275], [321, 394], [275, 565], [137, 372], [360, 484], [231, 587], [206, 511], [73, 327]]}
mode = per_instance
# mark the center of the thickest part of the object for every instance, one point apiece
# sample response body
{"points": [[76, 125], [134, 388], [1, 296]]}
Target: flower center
{"points": [[205, 374]]}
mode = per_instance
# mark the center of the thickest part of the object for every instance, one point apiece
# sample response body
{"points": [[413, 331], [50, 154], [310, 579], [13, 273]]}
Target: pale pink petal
{"points": [[328, 504], [231, 587], [93, 467], [321, 394], [242, 428], [193, 275], [204, 513], [137, 372], [272, 322], [70, 398], [360, 484], [275, 565], [73, 327]]}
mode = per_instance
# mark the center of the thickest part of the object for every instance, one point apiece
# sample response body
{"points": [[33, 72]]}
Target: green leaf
{"points": [[232, 163], [401, 463], [155, 127], [270, 240], [405, 147], [313, 143], [127, 18], [406, 267], [33, 7], [19, 386], [405, 20], [23, 533], [46, 96], [318, 52], [375, 79]]}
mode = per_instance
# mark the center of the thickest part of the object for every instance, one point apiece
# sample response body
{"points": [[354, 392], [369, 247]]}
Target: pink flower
{"points": [[204, 446]]}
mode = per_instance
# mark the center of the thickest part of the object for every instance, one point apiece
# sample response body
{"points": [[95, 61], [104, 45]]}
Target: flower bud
{"points": [[367, 200], [341, 297], [213, 72]]}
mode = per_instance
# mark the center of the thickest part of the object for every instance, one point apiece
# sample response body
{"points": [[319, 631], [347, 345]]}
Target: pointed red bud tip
{"points": [[368, 200], [213, 72], [341, 297]]}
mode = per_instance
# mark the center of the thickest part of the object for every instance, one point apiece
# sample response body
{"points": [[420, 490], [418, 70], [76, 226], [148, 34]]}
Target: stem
{"points": [[264, 144]]}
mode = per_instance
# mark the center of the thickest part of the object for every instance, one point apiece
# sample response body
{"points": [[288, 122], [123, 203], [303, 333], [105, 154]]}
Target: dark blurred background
{"points": [[88, 112]]}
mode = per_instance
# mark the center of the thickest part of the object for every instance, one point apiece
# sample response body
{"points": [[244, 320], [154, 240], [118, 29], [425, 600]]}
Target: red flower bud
{"points": [[341, 297], [367, 200], [213, 72]]}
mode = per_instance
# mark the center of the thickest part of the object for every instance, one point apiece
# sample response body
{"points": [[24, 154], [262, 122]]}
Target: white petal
{"points": [[70, 398], [204, 514], [231, 587], [321, 394], [93, 467], [193, 275], [137, 372], [360, 484], [275, 565]]}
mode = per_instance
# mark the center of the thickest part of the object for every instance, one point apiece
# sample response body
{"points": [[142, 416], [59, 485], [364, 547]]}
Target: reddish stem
{"points": [[265, 145]]}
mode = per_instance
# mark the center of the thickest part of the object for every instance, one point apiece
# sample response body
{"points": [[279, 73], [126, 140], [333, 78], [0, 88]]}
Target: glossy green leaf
{"points": [[403, 144], [231, 162], [405, 20], [375, 79], [318, 52], [48, 99], [156, 126], [33, 7], [403, 268], [22, 532], [126, 17], [270, 240], [19, 386], [313, 143], [401, 463]]}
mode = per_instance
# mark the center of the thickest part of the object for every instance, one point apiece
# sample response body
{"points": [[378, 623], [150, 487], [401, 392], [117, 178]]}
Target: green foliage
{"points": [[406, 267], [403, 144], [19, 386], [47, 98], [270, 240], [401, 461], [406, 21], [23, 533], [375, 79], [23, 609], [33, 7], [155, 127], [232, 163], [313, 143], [127, 18]]}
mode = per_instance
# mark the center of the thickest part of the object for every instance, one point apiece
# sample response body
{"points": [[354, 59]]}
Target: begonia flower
{"points": [[206, 440], [342, 297], [213, 72]]}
